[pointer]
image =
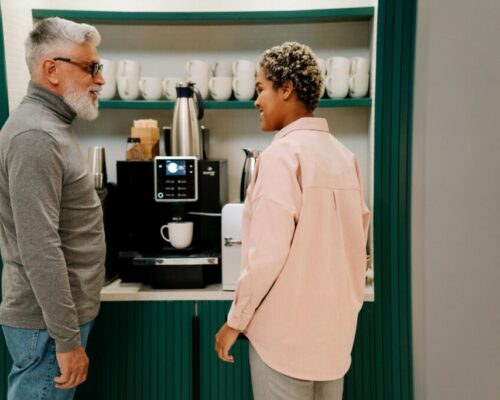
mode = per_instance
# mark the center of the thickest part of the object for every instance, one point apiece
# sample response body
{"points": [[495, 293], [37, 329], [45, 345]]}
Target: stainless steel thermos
{"points": [[251, 156], [185, 138]]}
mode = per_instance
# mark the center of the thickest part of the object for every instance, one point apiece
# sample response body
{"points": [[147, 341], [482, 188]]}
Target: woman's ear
{"points": [[287, 89]]}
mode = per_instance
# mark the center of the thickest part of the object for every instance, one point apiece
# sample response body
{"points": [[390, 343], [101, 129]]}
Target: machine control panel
{"points": [[176, 179]]}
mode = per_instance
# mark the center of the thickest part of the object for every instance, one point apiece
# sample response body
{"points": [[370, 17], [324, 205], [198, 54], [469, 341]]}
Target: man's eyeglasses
{"points": [[92, 68]]}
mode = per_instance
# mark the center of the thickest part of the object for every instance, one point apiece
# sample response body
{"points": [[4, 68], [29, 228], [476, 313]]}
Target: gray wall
{"points": [[456, 207]]}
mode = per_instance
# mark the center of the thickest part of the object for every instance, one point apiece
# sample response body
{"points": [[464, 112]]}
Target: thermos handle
{"points": [[199, 103]]}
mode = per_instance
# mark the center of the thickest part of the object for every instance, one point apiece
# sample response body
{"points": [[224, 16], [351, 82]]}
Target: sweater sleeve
{"points": [[36, 174], [275, 205]]}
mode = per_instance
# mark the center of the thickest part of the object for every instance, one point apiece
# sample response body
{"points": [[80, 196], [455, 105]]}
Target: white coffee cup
{"points": [[322, 65], [222, 69], [337, 85], [201, 83], [339, 64], [358, 85], [244, 87], [129, 68], [150, 88], [360, 65], [220, 87], [109, 74], [128, 87], [168, 85], [243, 68], [180, 234], [198, 71]]}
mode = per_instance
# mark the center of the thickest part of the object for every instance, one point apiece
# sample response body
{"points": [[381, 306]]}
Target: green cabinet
{"points": [[140, 350], [144, 351]]}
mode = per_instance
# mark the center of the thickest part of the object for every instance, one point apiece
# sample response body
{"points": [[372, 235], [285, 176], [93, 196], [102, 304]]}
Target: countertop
{"points": [[121, 291]]}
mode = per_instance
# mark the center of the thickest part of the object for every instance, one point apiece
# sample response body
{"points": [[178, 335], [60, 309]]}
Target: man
{"points": [[51, 230]]}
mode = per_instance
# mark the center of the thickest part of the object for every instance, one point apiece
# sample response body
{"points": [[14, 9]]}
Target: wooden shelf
{"points": [[251, 17], [221, 105]]}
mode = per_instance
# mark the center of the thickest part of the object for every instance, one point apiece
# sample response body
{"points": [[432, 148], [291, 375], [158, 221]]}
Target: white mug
{"points": [[198, 67], [322, 65], [128, 87], [201, 83], [220, 87], [109, 74], [337, 85], [150, 88], [339, 64], [129, 68], [222, 69], [358, 85], [199, 72], [180, 234], [360, 65], [244, 87], [243, 68], [168, 85]]}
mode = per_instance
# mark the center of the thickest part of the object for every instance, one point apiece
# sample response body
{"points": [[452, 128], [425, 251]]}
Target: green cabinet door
{"points": [[220, 380], [140, 351]]}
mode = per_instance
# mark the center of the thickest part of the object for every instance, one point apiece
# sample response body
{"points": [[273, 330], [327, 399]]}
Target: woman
{"points": [[305, 225]]}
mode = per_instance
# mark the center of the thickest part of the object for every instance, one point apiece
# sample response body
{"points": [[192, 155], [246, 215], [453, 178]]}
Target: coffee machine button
{"points": [[160, 195]]}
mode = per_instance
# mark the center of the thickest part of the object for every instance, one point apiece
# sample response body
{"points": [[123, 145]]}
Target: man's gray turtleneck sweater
{"points": [[51, 230]]}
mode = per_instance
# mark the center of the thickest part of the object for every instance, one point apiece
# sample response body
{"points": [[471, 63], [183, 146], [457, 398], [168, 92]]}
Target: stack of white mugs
{"points": [[345, 76], [219, 79], [342, 76]]}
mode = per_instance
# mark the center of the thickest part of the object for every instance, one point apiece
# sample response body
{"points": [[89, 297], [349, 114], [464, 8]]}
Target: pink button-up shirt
{"points": [[304, 232]]}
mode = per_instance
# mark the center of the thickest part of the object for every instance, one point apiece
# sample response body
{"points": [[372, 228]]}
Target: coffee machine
{"points": [[148, 197]]}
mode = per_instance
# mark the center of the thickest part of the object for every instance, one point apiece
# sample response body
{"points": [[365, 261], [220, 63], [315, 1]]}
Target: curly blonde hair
{"points": [[294, 62]]}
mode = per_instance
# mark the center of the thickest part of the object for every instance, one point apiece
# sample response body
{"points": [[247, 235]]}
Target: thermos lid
{"points": [[184, 89]]}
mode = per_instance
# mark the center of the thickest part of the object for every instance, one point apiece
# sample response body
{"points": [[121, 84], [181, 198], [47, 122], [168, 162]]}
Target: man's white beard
{"points": [[82, 103]]}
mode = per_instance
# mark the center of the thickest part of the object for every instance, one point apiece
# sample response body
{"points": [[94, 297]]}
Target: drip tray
{"points": [[179, 270]]}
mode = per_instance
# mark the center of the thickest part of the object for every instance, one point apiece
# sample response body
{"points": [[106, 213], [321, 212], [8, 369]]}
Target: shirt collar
{"points": [[306, 123], [52, 101]]}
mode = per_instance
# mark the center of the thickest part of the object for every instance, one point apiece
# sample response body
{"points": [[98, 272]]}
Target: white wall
{"points": [[456, 191]]}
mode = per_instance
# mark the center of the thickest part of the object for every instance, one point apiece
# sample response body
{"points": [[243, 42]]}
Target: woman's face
{"points": [[269, 103]]}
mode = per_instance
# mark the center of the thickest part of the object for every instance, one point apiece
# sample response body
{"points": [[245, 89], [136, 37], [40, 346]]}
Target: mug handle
{"points": [[352, 82], [161, 233], [234, 84], [211, 84], [354, 65], [141, 86]]}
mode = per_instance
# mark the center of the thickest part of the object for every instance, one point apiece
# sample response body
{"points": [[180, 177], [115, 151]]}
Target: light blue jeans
{"points": [[35, 366]]}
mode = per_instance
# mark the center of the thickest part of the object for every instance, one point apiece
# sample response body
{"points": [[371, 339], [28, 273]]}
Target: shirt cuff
{"points": [[237, 319], [67, 346]]}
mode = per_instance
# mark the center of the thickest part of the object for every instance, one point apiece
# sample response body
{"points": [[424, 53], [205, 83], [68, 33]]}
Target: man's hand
{"points": [[224, 340], [74, 366]]}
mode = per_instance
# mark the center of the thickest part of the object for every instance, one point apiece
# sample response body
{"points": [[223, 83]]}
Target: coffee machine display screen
{"points": [[176, 179], [176, 168]]}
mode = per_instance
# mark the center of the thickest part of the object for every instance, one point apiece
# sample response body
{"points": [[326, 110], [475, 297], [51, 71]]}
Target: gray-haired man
{"points": [[51, 231]]}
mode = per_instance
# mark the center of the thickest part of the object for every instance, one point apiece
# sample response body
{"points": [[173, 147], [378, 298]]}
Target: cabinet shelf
{"points": [[222, 105], [251, 17]]}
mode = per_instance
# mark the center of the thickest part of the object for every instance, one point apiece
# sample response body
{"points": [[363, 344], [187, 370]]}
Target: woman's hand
{"points": [[224, 340]]}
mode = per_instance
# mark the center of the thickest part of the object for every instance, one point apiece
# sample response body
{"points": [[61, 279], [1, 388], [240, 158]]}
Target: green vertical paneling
{"points": [[220, 380], [5, 360], [360, 380], [4, 101], [140, 350], [392, 208]]}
